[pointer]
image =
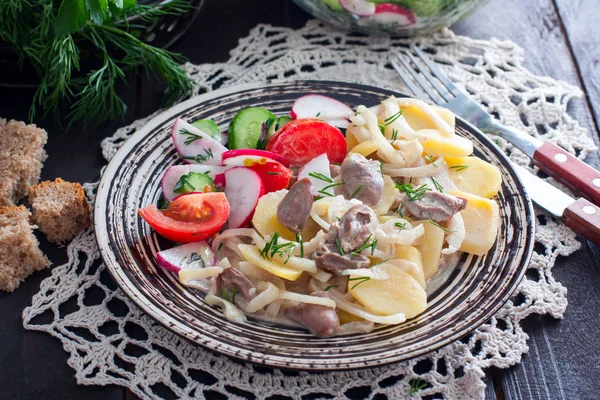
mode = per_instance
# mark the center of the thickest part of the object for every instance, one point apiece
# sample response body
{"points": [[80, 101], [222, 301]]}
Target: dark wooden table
{"points": [[561, 39]]}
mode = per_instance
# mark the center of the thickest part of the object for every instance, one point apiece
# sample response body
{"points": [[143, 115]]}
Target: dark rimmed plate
{"points": [[464, 297]]}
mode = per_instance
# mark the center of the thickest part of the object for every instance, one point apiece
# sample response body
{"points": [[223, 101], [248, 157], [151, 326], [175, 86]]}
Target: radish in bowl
{"points": [[317, 171], [322, 107], [196, 146], [191, 255], [243, 188], [362, 8], [238, 157]]}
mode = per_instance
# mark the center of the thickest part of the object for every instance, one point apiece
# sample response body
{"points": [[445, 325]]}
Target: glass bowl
{"points": [[389, 17]]}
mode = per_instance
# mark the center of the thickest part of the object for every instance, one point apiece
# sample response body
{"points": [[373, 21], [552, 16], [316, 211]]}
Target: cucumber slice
{"points": [[194, 182], [274, 128], [209, 127], [245, 128], [333, 4], [284, 119]]}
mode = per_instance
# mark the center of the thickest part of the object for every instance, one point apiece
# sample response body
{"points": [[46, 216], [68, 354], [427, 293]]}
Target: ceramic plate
{"points": [[461, 298]]}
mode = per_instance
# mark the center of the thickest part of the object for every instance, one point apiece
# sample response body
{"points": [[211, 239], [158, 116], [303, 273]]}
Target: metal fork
{"points": [[428, 81]]}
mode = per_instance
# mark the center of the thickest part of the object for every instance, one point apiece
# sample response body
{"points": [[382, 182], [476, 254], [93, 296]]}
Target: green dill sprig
{"points": [[431, 160], [339, 246], [324, 190], [417, 385], [399, 210], [366, 245], [400, 225], [441, 227], [299, 240], [412, 193], [394, 134], [201, 158], [437, 185], [360, 279], [282, 250], [191, 137], [393, 118], [194, 257], [459, 167], [320, 176], [329, 287], [358, 189], [59, 38], [229, 296]]}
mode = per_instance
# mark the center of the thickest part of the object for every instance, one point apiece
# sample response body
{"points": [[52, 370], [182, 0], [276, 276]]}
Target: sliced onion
{"points": [[229, 233], [413, 172], [389, 154], [456, 225], [264, 298], [230, 311], [321, 276], [308, 299], [352, 327], [412, 151]]}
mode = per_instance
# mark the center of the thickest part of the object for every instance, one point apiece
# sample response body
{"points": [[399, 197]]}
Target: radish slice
{"points": [[253, 154], [243, 188], [195, 146], [393, 14], [318, 165], [322, 107], [361, 8], [175, 172], [191, 255]]}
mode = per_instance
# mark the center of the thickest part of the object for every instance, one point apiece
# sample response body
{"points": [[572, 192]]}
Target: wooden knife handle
{"points": [[569, 170], [584, 218]]}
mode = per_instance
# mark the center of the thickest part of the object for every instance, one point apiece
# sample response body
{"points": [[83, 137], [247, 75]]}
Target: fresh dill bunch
{"points": [[58, 37]]}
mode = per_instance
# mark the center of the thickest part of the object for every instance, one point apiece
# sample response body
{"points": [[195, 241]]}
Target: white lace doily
{"points": [[100, 336]]}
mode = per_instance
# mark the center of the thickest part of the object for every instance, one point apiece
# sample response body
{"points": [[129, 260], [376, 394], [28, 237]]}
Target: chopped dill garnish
{"points": [[366, 245], [381, 166], [431, 160], [323, 191], [393, 118], [382, 129], [360, 279], [339, 246], [356, 191], [400, 225], [416, 386], [439, 226], [273, 173], [299, 240], [320, 176], [282, 250], [411, 193], [459, 167], [319, 113], [220, 245], [399, 210], [191, 137], [394, 134], [318, 198], [199, 158], [230, 297], [329, 287], [379, 263], [437, 185]]}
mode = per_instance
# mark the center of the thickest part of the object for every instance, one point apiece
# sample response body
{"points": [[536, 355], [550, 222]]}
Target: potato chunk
{"points": [[411, 254], [475, 176], [252, 255], [400, 293], [438, 144], [418, 120], [388, 197], [481, 218], [430, 247]]}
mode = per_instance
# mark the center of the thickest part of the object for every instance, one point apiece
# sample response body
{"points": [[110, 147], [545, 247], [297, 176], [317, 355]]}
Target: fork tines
{"points": [[427, 79]]}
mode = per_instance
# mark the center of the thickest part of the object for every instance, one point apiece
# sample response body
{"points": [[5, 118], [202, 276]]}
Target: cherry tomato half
{"points": [[301, 140], [274, 175], [190, 217]]}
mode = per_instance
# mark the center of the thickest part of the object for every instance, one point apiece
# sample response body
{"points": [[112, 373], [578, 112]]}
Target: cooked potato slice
{"points": [[438, 144], [430, 247], [418, 120], [481, 218], [365, 148], [400, 293], [387, 198], [252, 255], [475, 176], [411, 254]]}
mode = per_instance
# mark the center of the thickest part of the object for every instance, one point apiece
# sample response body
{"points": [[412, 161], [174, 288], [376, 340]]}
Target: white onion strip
{"points": [[304, 298], [456, 226], [374, 273], [414, 172], [266, 297], [359, 311], [430, 112]]}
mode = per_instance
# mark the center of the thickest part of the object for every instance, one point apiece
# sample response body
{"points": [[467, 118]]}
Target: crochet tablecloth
{"points": [[110, 341]]}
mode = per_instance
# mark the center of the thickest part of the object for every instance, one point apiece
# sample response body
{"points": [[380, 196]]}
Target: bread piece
{"points": [[20, 254], [60, 209], [22, 157]]}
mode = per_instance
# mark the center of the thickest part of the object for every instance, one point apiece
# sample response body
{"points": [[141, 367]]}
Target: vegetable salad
{"points": [[331, 219]]}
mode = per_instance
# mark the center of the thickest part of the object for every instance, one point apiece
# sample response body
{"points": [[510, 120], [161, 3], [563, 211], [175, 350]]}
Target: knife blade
{"points": [[580, 215]]}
